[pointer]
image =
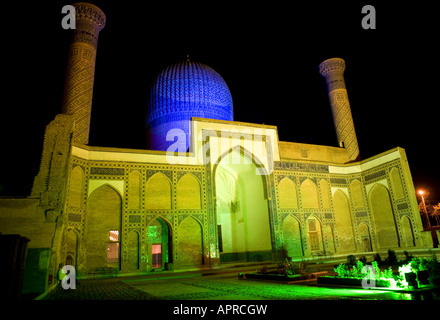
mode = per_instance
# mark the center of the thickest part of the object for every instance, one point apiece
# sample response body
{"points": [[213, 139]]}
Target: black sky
{"points": [[267, 52]]}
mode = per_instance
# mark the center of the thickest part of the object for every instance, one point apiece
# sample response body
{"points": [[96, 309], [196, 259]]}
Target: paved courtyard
{"points": [[224, 286]]}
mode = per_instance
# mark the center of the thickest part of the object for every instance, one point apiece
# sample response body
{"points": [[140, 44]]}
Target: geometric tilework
{"points": [[78, 89], [374, 175], [107, 171]]}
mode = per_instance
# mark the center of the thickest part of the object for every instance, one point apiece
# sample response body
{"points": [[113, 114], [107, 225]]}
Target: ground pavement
{"points": [[221, 285]]}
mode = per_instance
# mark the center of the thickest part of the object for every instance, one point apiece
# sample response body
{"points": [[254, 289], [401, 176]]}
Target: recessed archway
{"points": [[159, 244], [383, 217], [102, 228], [242, 208]]}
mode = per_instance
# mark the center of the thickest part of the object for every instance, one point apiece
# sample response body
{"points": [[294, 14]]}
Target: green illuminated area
{"points": [[242, 210], [416, 274]]}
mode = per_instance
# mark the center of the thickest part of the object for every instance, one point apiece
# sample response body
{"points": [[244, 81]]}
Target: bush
{"points": [[392, 258], [351, 260], [342, 271], [434, 270], [377, 258], [431, 265], [363, 259], [408, 256], [288, 267]]}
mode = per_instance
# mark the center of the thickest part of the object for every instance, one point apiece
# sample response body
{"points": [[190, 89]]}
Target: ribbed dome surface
{"points": [[184, 90]]}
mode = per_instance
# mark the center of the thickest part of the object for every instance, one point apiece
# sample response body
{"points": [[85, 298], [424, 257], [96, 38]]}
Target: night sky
{"points": [[267, 52]]}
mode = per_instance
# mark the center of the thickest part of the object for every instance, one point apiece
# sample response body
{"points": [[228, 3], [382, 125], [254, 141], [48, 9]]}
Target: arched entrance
{"points": [[383, 217], [190, 244], [292, 237], [102, 229], [242, 209], [344, 226], [159, 245]]}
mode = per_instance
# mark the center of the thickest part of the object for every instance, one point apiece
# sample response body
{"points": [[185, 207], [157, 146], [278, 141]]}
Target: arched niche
{"points": [[158, 192], [383, 217], [287, 194]]}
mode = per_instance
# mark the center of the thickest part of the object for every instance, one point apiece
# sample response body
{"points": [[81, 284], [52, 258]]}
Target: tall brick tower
{"points": [[78, 89], [333, 71]]}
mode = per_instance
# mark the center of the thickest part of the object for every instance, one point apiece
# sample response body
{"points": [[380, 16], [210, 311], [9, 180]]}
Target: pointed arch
{"points": [[314, 234], [325, 194], [407, 231], [134, 190], [188, 192], [190, 243], [76, 190], [292, 237], [330, 239], [383, 217], [309, 194], [357, 194], [365, 238], [133, 250], [158, 192], [396, 183], [160, 235], [103, 214], [241, 155], [71, 241], [287, 194], [243, 212], [344, 224]]}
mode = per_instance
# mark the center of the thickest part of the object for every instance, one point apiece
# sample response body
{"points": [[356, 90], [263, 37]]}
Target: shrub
{"points": [[363, 259], [431, 265], [386, 274], [377, 258], [342, 271], [375, 266], [408, 256], [356, 272], [434, 270], [288, 267], [351, 260], [392, 258]]}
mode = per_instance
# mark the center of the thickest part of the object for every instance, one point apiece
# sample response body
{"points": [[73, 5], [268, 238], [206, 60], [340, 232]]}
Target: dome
{"points": [[184, 90]]}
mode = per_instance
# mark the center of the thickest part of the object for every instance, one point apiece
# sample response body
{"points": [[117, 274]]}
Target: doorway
{"points": [[242, 209], [156, 255]]}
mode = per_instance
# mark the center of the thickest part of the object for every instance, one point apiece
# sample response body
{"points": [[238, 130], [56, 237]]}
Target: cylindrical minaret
{"points": [[333, 71], [78, 89]]}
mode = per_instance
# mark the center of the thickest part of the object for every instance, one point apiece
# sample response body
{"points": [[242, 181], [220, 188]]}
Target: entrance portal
{"points": [[243, 223], [156, 253], [159, 244]]}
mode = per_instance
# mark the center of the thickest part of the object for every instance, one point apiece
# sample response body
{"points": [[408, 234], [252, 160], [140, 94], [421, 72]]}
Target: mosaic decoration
{"points": [[107, 171], [184, 90], [374, 175], [299, 166]]}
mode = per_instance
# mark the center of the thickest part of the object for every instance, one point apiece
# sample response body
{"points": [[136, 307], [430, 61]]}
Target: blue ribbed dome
{"points": [[182, 91]]}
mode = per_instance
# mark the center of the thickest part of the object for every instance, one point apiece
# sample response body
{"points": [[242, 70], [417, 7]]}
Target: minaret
{"points": [[78, 89], [333, 71]]}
